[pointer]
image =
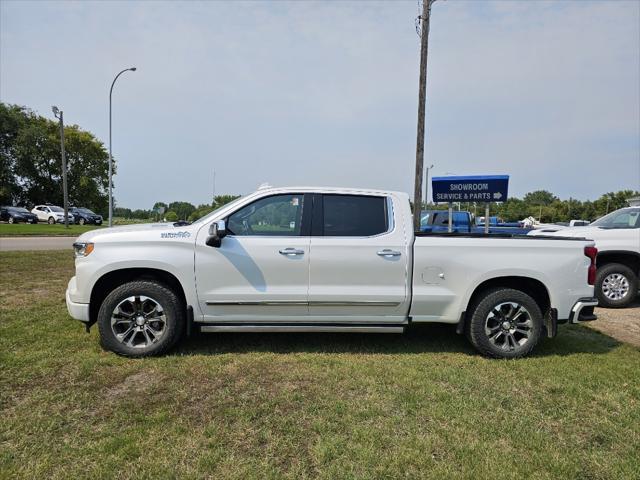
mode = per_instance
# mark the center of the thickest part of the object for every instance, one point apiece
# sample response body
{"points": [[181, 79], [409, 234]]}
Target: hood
{"points": [[139, 231]]}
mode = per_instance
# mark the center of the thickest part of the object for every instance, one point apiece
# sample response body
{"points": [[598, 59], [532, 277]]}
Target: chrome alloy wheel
{"points": [[615, 286], [138, 321], [508, 326]]}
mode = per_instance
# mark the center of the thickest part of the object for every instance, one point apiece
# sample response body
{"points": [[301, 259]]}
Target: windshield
{"points": [[624, 218], [56, 209], [18, 209]]}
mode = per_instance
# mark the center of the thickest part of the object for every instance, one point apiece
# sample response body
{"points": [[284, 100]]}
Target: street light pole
{"points": [[132, 69], [65, 197]]}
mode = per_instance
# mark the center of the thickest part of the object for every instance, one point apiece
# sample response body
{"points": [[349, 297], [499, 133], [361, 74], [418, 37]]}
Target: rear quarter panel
{"points": [[448, 269]]}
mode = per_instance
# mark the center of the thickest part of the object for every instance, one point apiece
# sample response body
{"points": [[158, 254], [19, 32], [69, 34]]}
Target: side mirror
{"points": [[217, 231]]}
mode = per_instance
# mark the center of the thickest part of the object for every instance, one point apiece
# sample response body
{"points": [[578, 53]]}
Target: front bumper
{"points": [[79, 311], [582, 311]]}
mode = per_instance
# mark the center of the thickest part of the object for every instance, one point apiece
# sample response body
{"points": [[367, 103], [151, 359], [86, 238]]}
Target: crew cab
{"points": [[324, 260], [617, 237]]}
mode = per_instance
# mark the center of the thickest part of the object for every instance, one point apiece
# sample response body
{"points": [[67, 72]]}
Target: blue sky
{"points": [[325, 93]]}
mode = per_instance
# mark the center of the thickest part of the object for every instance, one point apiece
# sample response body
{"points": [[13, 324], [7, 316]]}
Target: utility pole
{"points": [[422, 96], [65, 197]]}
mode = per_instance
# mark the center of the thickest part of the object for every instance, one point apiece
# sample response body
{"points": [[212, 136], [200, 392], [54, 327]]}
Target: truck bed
{"points": [[448, 267]]}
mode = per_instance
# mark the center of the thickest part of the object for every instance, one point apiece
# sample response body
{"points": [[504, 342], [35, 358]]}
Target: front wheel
{"points": [[141, 319], [505, 323], [51, 220], [616, 285], [11, 220], [81, 221]]}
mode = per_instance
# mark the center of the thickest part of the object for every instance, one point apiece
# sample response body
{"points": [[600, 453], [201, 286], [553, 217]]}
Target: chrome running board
{"points": [[303, 328]]}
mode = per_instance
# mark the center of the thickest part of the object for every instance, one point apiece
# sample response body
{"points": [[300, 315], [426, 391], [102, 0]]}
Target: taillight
{"points": [[591, 252]]}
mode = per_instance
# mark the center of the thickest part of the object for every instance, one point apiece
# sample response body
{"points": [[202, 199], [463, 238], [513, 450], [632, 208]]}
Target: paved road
{"points": [[36, 243]]}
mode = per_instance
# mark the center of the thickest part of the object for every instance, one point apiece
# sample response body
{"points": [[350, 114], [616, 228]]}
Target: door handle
{"points": [[291, 251], [387, 252]]}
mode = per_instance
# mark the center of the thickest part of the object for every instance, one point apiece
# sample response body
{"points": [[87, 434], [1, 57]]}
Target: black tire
{"points": [[479, 323], [81, 221], [173, 312], [51, 221], [625, 278]]}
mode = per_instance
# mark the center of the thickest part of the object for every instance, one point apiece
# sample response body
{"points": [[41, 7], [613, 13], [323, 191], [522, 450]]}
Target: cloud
{"points": [[326, 92]]}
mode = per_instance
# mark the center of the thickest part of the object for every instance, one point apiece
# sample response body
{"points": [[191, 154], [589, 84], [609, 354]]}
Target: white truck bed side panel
{"points": [[447, 270]]}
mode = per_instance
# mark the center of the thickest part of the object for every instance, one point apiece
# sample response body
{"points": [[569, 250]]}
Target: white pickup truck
{"points": [[617, 237], [324, 260]]}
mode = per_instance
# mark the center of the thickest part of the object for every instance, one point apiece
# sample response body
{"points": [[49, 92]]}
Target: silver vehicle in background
{"points": [[51, 214]]}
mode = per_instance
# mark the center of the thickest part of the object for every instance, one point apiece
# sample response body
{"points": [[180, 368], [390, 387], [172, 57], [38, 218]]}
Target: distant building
{"points": [[634, 201]]}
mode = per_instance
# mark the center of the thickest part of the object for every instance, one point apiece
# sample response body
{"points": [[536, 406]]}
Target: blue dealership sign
{"points": [[475, 188]]}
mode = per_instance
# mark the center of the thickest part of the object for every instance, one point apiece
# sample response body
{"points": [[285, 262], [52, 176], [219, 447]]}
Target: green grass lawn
{"points": [[330, 406], [43, 229]]}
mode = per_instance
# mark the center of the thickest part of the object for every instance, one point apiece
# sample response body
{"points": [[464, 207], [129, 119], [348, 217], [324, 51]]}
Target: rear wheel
{"points": [[81, 221], [141, 319], [505, 323], [616, 285], [51, 220], [11, 220]]}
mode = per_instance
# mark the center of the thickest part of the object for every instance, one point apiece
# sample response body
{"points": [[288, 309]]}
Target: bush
{"points": [[171, 217]]}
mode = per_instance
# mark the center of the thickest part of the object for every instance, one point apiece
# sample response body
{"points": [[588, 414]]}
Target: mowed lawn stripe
{"points": [[418, 405]]}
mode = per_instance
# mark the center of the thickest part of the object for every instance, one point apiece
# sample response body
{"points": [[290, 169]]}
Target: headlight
{"points": [[82, 249]]}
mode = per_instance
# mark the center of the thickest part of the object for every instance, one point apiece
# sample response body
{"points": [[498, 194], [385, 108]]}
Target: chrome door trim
{"points": [[263, 302], [329, 303], [366, 303]]}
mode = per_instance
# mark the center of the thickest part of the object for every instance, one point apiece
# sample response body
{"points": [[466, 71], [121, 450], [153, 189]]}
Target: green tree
{"points": [[539, 197], [31, 168], [182, 209], [171, 216], [220, 200]]}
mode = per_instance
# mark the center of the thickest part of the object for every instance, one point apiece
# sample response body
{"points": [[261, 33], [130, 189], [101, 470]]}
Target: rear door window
{"points": [[354, 215]]}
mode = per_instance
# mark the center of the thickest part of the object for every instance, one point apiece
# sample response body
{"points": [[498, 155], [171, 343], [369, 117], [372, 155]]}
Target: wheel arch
{"points": [[531, 286], [114, 278], [624, 257]]}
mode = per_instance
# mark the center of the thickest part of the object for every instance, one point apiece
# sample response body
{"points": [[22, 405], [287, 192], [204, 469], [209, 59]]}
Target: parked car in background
{"points": [[579, 223], [17, 215], [85, 216], [51, 214], [617, 237]]}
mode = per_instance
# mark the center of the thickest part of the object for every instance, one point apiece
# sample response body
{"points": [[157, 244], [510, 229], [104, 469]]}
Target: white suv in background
{"points": [[617, 237], [51, 214]]}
